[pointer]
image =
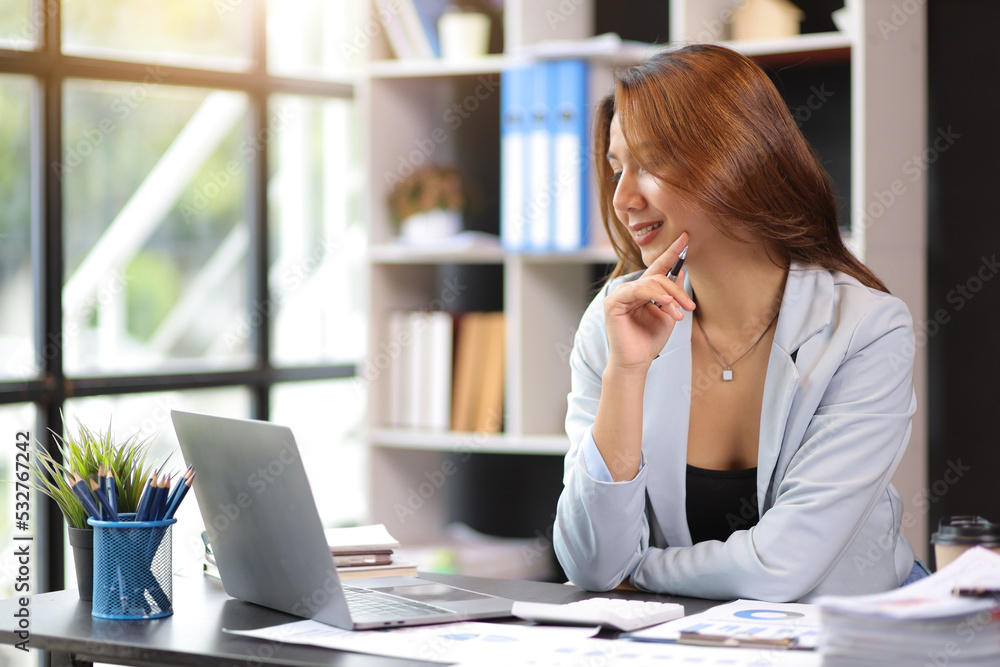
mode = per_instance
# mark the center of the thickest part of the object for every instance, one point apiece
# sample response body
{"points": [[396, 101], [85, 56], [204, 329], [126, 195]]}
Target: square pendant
{"points": [[727, 375]]}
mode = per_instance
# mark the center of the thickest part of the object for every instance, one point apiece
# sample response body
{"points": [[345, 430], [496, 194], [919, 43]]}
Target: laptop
{"points": [[268, 540]]}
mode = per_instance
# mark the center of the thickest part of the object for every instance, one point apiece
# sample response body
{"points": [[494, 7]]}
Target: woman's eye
{"points": [[615, 177]]}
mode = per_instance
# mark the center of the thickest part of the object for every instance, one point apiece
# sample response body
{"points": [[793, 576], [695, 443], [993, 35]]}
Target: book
{"points": [[360, 539], [414, 361], [414, 27], [362, 559], [465, 384], [418, 359], [390, 359], [429, 12], [396, 34], [437, 378], [397, 569], [489, 406]]}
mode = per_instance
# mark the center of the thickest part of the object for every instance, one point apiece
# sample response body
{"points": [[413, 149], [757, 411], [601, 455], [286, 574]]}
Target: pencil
{"points": [[110, 488], [179, 492], [102, 498], [160, 499], [147, 496], [83, 493]]}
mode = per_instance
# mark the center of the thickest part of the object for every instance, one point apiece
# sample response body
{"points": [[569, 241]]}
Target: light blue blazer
{"points": [[835, 421]]}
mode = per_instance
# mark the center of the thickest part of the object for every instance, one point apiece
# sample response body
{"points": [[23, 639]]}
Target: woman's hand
{"points": [[637, 328]]}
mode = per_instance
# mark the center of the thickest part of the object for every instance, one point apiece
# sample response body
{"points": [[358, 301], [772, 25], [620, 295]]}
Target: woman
{"points": [[733, 433]]}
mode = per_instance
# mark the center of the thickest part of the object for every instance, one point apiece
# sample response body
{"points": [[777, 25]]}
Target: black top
{"points": [[720, 502]]}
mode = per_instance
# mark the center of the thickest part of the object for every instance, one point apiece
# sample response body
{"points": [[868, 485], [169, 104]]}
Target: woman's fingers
{"points": [[669, 287], [662, 264], [655, 291]]}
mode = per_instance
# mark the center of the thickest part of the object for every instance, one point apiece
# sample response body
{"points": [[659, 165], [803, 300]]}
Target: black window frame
{"points": [[49, 67]]}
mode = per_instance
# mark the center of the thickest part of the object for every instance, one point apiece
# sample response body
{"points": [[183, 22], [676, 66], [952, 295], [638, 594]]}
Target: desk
{"points": [[192, 636]]}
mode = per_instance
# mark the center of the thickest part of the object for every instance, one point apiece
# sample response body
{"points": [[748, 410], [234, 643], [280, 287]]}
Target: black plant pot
{"points": [[82, 541]]}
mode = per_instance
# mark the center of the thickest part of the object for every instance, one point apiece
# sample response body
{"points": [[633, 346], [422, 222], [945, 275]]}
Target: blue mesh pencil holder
{"points": [[132, 568]]}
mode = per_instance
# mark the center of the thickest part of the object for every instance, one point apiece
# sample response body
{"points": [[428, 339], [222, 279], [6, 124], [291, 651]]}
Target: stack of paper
{"points": [[923, 623]]}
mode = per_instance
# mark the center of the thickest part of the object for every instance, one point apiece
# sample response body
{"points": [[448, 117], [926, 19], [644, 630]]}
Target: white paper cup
{"points": [[464, 35], [958, 533]]}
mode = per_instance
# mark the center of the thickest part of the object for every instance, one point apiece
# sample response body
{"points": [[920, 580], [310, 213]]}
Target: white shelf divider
{"points": [[471, 442]]}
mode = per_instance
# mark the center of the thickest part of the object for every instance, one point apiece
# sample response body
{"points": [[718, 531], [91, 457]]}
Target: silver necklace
{"points": [[727, 371]]}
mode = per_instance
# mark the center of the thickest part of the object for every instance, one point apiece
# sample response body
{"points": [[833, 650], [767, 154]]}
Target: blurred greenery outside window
{"points": [[158, 180]]}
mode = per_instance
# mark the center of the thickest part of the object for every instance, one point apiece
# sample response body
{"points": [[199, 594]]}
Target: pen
{"points": [[983, 592], [674, 271]]}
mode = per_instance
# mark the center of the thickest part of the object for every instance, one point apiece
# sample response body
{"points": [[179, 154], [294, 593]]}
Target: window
{"points": [[17, 334], [181, 229]]}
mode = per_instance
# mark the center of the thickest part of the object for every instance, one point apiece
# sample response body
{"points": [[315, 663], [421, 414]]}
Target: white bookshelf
{"points": [[405, 103]]}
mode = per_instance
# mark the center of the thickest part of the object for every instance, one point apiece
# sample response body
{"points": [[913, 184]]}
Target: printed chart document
{"points": [[746, 623], [624, 653], [447, 643], [502, 645]]}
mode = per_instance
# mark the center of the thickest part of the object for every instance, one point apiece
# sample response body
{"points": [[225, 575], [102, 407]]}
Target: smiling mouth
{"points": [[649, 228]]}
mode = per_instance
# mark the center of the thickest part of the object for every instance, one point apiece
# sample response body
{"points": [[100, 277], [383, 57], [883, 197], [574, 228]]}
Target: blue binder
{"points": [[570, 163], [540, 194], [515, 93]]}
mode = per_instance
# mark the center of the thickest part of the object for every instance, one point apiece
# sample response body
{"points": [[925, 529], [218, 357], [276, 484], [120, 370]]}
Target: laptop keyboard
{"points": [[373, 605]]}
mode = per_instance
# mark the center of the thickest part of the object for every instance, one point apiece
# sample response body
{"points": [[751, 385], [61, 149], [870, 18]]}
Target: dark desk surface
{"points": [[60, 623]]}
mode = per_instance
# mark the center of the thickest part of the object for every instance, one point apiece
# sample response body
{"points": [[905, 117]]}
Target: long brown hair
{"points": [[709, 122]]}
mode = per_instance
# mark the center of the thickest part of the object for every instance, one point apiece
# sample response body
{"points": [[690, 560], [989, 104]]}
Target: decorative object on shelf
{"points": [[429, 203], [843, 18], [464, 35], [86, 455], [766, 19]]}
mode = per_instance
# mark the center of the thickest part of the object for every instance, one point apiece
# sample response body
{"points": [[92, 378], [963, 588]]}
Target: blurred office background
{"points": [[137, 274]]}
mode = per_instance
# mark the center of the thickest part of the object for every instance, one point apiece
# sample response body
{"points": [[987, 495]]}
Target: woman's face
{"points": [[650, 209]]}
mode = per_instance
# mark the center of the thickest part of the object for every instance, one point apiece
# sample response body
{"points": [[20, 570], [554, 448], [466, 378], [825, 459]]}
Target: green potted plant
{"points": [[428, 204], [84, 454]]}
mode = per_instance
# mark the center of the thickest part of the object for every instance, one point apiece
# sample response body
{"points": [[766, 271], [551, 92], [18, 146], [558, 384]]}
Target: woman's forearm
{"points": [[618, 423]]}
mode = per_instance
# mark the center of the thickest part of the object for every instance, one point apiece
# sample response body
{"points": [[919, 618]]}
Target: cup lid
{"points": [[967, 531]]}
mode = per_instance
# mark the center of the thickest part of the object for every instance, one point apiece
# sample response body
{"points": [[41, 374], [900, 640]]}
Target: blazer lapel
{"points": [[806, 308], [666, 413]]}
